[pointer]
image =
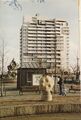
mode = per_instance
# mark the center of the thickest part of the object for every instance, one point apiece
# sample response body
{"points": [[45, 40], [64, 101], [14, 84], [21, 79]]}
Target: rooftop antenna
{"points": [[23, 19], [37, 14], [37, 6]]}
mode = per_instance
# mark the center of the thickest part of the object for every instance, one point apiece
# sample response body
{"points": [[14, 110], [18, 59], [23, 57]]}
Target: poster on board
{"points": [[36, 79]]}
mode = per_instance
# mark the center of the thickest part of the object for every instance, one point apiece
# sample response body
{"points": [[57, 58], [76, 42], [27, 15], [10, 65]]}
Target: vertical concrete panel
{"points": [[6, 111]]}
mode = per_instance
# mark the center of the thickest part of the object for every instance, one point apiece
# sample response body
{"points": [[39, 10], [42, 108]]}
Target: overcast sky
{"points": [[11, 21]]}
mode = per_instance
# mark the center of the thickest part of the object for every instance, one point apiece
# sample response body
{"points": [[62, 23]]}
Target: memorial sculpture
{"points": [[12, 70], [46, 87]]}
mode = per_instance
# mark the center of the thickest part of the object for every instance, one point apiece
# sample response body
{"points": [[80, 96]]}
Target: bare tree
{"points": [[3, 62], [16, 4], [40, 1], [13, 3]]}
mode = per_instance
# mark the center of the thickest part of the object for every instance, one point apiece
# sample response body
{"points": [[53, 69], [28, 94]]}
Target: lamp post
{"points": [[79, 30], [2, 89], [55, 62]]}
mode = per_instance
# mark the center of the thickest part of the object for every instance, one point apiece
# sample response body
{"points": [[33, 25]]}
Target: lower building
{"points": [[29, 76]]}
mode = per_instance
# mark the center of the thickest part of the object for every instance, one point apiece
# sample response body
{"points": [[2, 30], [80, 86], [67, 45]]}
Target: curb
{"points": [[8, 111]]}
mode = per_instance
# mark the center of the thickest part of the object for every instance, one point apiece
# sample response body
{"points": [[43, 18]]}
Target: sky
{"points": [[11, 20]]}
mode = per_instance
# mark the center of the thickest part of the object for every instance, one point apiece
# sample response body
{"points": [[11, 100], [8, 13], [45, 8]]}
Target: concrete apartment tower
{"points": [[44, 43]]}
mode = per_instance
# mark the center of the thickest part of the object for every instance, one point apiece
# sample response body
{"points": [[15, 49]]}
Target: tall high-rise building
{"points": [[44, 43]]}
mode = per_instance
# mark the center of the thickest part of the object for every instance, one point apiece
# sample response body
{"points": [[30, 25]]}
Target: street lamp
{"points": [[2, 89], [55, 62], [79, 26]]}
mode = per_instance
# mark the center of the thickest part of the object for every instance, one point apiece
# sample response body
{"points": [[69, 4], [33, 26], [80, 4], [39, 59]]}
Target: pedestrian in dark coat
{"points": [[60, 82]]}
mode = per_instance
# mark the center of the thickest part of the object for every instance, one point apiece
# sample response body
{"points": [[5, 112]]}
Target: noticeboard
{"points": [[36, 78]]}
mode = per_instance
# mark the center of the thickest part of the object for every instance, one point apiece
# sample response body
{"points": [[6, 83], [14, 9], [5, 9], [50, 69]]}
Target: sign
{"points": [[36, 78]]}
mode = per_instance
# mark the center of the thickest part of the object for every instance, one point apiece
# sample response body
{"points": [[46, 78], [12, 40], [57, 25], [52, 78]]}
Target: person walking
{"points": [[60, 82]]}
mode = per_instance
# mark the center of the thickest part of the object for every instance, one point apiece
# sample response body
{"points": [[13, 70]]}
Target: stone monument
{"points": [[46, 87]]}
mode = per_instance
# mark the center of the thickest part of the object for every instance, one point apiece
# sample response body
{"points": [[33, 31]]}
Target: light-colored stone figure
{"points": [[46, 87]]}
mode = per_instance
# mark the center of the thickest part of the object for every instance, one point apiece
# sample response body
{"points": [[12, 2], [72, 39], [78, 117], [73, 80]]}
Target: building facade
{"points": [[44, 43]]}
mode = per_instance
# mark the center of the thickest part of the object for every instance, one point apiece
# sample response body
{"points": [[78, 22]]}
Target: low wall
{"points": [[18, 110]]}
